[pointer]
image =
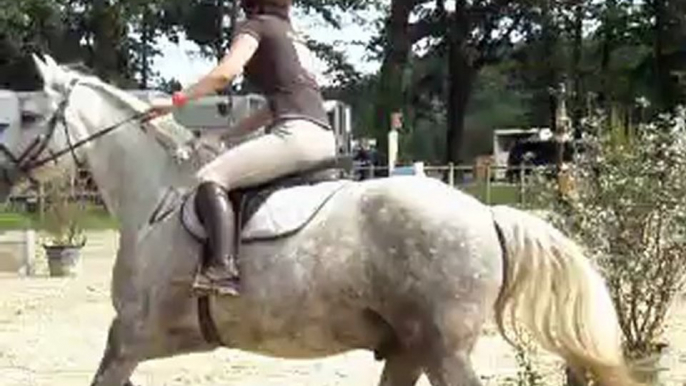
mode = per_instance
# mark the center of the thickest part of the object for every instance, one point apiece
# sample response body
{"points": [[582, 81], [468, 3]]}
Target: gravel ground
{"points": [[52, 332]]}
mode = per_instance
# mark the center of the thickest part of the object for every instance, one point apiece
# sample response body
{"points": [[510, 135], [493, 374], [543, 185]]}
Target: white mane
{"points": [[165, 129]]}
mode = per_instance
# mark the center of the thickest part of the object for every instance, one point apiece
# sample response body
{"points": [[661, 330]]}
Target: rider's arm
{"points": [[242, 49], [252, 122]]}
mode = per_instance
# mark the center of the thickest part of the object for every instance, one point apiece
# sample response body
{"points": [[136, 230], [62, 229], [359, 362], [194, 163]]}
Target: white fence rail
{"points": [[478, 180], [510, 186]]}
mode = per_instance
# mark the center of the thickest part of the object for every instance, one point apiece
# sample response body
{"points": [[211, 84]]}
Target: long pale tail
{"points": [[553, 293]]}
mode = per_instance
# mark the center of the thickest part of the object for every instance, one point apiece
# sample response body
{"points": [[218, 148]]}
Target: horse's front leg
{"points": [[117, 363]]}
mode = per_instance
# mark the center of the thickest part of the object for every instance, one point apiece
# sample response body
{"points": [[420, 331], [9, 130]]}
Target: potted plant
{"points": [[628, 210], [62, 223]]}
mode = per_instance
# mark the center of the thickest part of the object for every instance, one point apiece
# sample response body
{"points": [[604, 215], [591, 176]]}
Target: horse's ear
{"points": [[51, 62], [52, 73], [42, 67]]}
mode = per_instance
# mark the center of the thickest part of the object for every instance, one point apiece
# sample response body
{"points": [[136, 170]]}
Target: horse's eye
{"points": [[28, 118]]}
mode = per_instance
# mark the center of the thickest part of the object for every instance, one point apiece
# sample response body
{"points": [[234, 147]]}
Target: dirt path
{"points": [[52, 333]]}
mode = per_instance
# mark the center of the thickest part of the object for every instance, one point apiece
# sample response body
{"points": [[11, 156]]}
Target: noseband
{"points": [[30, 159]]}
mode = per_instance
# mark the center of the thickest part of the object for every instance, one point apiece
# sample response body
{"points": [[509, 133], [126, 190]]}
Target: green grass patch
{"points": [[93, 218], [494, 194], [11, 221]]}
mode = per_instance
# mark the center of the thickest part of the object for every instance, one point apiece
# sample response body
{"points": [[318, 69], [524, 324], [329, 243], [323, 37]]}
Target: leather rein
{"points": [[30, 159]]}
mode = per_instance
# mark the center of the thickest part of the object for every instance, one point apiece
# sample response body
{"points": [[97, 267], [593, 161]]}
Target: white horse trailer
{"points": [[340, 118], [505, 139], [9, 108], [221, 112], [10, 115]]}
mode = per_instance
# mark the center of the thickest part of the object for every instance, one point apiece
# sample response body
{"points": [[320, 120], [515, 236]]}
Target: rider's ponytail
{"points": [[279, 8]]}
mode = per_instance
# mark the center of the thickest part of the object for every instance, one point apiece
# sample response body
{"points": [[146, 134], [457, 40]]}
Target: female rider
{"points": [[298, 133]]}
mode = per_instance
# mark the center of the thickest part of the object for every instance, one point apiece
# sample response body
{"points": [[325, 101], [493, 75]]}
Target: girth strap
{"points": [[506, 264], [207, 326]]}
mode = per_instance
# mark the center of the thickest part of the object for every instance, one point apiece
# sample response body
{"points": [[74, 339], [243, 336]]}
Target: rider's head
{"points": [[274, 7]]}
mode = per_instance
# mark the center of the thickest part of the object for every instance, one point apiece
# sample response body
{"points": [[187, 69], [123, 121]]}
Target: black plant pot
{"points": [[63, 260]]}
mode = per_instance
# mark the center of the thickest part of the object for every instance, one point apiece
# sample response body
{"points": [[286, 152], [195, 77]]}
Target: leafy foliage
{"points": [[118, 39], [64, 217], [527, 375], [627, 207]]}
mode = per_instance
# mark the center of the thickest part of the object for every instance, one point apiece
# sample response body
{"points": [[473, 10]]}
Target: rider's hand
{"points": [[163, 106], [159, 107]]}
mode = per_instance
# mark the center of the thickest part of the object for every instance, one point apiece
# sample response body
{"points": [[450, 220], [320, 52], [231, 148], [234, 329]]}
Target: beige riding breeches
{"points": [[290, 146]]}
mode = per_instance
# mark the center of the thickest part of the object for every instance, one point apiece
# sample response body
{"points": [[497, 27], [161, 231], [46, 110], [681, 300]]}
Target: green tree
{"points": [[468, 38], [669, 51], [25, 26]]}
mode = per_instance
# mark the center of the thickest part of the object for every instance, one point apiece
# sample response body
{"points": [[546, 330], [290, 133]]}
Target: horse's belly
{"points": [[309, 342], [300, 331]]}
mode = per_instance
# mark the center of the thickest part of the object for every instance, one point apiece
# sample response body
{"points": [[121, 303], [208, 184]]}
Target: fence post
{"points": [[28, 251], [521, 184], [451, 174], [41, 202], [488, 184]]}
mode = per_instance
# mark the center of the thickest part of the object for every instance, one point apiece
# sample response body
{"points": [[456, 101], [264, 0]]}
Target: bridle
{"points": [[32, 157]]}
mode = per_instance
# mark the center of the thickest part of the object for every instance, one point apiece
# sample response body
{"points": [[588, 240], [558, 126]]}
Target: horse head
{"points": [[26, 146]]}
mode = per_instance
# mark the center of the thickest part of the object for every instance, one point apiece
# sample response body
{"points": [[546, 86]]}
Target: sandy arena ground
{"points": [[52, 333]]}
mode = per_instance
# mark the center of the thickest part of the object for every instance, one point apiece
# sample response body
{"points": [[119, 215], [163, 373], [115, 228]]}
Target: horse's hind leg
{"points": [[115, 367], [401, 369], [448, 341], [451, 369]]}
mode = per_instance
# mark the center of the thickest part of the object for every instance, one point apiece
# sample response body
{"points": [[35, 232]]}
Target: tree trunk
{"points": [[664, 35], [577, 76], [105, 27], [608, 44], [550, 39], [219, 43], [146, 43], [233, 17], [390, 95], [233, 20], [461, 77], [461, 81], [661, 70]]}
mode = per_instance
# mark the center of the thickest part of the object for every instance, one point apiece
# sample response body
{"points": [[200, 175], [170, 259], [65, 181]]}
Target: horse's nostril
{"points": [[223, 109], [3, 128]]}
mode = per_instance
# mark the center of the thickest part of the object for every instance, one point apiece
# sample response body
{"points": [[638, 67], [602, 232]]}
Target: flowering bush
{"points": [[64, 217], [628, 208]]}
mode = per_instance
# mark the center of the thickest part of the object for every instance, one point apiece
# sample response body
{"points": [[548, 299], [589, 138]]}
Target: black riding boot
{"points": [[219, 273]]}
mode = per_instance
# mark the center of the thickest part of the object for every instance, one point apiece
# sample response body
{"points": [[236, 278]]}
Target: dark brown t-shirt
{"points": [[279, 70]]}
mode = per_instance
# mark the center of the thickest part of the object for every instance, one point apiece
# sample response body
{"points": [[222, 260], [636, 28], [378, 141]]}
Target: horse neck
{"points": [[132, 170]]}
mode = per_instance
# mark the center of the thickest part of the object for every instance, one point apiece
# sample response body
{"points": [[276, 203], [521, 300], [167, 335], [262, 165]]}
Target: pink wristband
{"points": [[179, 99]]}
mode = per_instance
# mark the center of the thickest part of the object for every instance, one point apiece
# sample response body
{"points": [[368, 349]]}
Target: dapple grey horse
{"points": [[408, 267]]}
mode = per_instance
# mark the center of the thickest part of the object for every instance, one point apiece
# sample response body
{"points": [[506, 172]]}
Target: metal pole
{"points": [[451, 174]]}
